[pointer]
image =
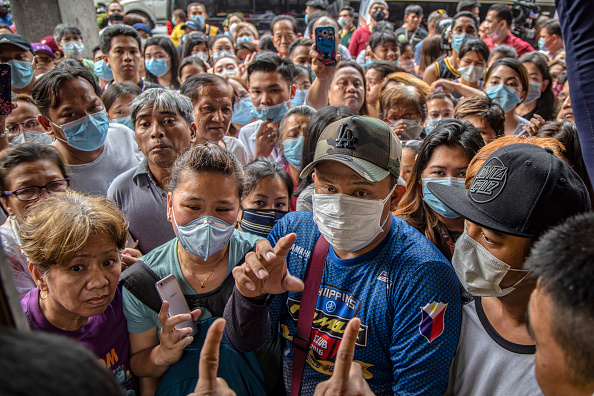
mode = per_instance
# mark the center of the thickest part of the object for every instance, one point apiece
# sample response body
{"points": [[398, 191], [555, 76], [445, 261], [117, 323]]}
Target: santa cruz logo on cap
{"points": [[489, 181]]}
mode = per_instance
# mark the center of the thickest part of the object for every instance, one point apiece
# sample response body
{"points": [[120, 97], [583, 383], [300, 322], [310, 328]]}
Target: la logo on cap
{"points": [[489, 181], [345, 137]]}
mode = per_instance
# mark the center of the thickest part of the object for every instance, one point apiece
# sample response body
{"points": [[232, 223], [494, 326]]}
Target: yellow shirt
{"points": [[177, 33]]}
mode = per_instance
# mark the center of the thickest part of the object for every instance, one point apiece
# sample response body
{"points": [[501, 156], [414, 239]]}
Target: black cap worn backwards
{"points": [[520, 190]]}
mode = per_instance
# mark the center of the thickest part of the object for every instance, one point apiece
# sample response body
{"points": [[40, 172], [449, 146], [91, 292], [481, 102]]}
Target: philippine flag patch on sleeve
{"points": [[432, 324]]}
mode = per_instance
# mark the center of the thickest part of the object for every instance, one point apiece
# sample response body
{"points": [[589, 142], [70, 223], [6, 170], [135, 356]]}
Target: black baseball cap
{"points": [[521, 190], [16, 39]]}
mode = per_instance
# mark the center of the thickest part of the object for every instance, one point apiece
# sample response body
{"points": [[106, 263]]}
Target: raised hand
{"points": [[319, 68], [266, 138], [347, 378], [208, 382], [265, 271]]}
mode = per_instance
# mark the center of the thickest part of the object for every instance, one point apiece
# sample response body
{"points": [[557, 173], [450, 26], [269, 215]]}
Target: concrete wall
{"points": [[36, 19]]}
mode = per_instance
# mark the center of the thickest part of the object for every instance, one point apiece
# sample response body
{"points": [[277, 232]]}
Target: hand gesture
{"points": [[347, 378], [534, 125], [129, 257], [398, 128], [208, 382], [265, 271], [266, 138], [173, 341], [320, 69]]}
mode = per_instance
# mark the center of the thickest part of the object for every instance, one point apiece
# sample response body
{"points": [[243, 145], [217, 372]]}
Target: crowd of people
{"points": [[413, 216]]}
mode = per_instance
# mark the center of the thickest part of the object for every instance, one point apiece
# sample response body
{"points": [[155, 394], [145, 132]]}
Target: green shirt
{"points": [[163, 261], [345, 36]]}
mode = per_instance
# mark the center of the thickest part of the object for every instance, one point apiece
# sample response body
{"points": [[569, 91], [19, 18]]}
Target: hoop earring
{"points": [[43, 294]]}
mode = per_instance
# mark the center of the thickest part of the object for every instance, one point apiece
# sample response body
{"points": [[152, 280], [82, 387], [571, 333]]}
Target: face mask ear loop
{"points": [[384, 203]]}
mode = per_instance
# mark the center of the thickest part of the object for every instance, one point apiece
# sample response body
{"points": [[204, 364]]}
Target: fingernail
{"points": [[262, 273], [126, 254], [250, 286], [270, 255]]}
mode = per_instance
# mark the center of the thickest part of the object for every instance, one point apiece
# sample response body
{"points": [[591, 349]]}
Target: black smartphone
{"points": [[5, 93]]}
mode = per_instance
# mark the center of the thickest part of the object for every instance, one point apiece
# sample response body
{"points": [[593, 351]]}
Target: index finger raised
{"points": [[346, 352], [209, 356], [284, 244]]}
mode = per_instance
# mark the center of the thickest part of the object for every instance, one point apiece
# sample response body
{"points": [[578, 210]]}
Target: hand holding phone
{"points": [[169, 290], [325, 38], [5, 90]]}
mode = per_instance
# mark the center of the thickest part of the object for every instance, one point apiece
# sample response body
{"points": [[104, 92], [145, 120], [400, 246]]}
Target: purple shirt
{"points": [[105, 335]]}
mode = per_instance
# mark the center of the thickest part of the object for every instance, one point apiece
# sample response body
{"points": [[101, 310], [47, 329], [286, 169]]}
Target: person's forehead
{"points": [[150, 111], [222, 42], [65, 97], [225, 62], [344, 13], [282, 25], [215, 92], [348, 72], [266, 78], [440, 102], [464, 21]]}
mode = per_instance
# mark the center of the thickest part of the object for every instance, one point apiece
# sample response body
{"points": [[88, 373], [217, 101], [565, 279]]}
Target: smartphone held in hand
{"points": [[169, 291], [326, 44]]}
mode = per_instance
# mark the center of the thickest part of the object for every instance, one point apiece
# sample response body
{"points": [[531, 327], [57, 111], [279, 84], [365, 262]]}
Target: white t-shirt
{"points": [[120, 153], [238, 149], [247, 136], [486, 363]]}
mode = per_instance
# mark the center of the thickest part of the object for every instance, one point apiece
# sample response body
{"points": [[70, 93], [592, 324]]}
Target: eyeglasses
{"points": [[33, 192], [404, 117], [29, 124]]}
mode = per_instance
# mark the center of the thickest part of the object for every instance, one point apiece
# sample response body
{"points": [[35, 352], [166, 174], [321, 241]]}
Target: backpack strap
{"points": [[140, 280], [309, 298]]}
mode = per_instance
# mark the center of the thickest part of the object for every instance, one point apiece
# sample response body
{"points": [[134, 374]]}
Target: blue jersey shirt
{"points": [[406, 295]]}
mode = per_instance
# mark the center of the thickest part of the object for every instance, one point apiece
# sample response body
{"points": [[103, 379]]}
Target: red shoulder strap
{"points": [[309, 298]]}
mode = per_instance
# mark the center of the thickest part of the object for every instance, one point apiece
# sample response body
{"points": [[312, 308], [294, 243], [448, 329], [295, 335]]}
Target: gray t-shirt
{"points": [[120, 153], [486, 363], [137, 194]]}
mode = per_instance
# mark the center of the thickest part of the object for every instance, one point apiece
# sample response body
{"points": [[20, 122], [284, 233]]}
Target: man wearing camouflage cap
{"points": [[373, 266]]}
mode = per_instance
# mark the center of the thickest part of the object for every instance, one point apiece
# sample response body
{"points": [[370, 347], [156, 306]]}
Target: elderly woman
{"points": [[28, 172], [404, 109], [74, 242], [202, 205]]}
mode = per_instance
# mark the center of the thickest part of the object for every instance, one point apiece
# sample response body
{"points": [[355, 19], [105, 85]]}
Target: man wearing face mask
{"points": [[197, 12], [550, 42], [519, 192], [373, 266], [499, 21], [346, 18], [411, 30], [71, 109], [17, 51], [69, 40], [378, 11], [271, 88]]}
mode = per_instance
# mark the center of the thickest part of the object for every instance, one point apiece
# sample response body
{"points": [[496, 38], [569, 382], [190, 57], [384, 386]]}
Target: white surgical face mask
{"points": [[534, 92], [471, 73], [349, 223], [479, 271]]}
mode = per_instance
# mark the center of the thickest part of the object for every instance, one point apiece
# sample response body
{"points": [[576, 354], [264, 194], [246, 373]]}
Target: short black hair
{"points": [[384, 68], [467, 14], [47, 88], [503, 13], [484, 108], [440, 95], [552, 27], [193, 60], [115, 90], [474, 44], [194, 39], [261, 168], [193, 85], [350, 9], [289, 18], [269, 62], [117, 30], [467, 5], [562, 260], [381, 38], [301, 41], [413, 9]]}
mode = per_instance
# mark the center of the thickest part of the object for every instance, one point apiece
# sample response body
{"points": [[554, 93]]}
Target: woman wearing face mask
{"points": [[443, 158], [404, 109], [246, 32], [117, 99], [161, 62], [541, 98], [474, 54], [22, 169], [69, 39], [22, 124], [197, 44], [464, 25], [242, 108], [221, 46], [203, 205], [266, 198], [292, 131], [302, 81], [226, 66]]}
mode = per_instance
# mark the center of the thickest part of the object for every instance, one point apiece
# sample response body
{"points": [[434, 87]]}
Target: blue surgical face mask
{"points": [[200, 19], [293, 151], [368, 62], [21, 73], [260, 221], [271, 113], [505, 96], [432, 200], [242, 111], [73, 48], [88, 133], [157, 67], [173, 21], [457, 40], [244, 39], [103, 70], [204, 236], [542, 45], [299, 98], [306, 19], [124, 121], [431, 125]]}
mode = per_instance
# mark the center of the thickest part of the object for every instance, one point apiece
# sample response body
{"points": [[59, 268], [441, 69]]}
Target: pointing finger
{"points": [[346, 352], [209, 356]]}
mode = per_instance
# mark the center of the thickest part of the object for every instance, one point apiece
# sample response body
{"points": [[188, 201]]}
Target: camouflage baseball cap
{"points": [[364, 144]]}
